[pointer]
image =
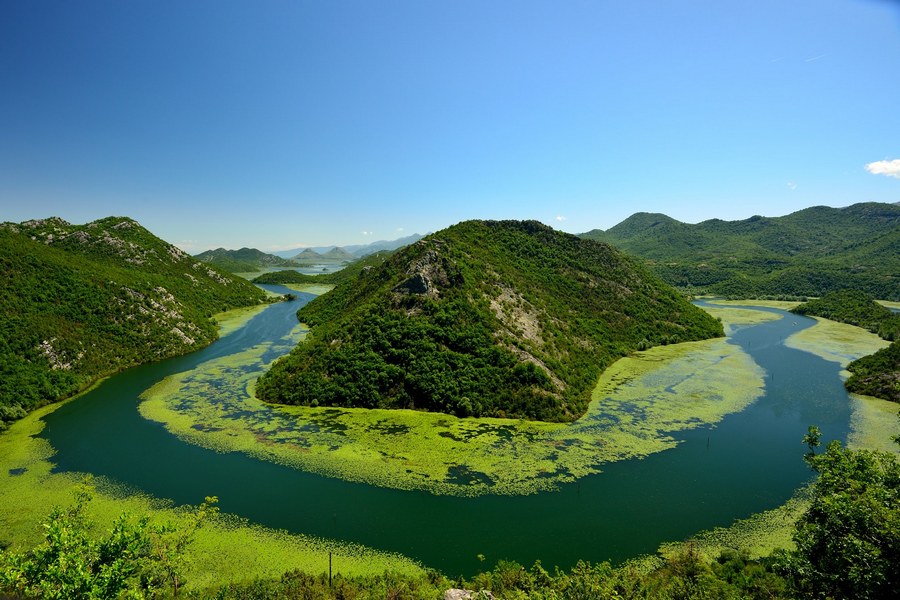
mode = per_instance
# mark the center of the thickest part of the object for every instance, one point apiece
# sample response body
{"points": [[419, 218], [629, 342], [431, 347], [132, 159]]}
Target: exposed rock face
{"points": [[417, 284], [458, 594], [429, 273]]}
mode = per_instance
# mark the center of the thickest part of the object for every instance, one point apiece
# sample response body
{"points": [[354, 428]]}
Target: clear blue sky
{"points": [[277, 124]]}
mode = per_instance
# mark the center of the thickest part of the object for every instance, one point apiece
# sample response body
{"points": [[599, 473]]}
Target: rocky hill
{"points": [[483, 318], [808, 253], [245, 260], [83, 301]]}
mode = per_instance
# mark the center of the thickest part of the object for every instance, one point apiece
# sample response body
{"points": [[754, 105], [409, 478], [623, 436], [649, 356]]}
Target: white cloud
{"points": [[560, 218], [891, 168], [792, 185], [400, 230], [366, 232]]}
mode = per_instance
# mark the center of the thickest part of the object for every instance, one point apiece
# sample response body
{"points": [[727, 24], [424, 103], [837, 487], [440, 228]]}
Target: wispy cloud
{"points": [[400, 230], [891, 168], [815, 58], [366, 232], [280, 247], [792, 185], [560, 218]]}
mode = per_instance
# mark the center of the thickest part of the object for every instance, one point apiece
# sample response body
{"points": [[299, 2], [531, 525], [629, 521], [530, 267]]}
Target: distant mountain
{"points": [[245, 260], [338, 254], [382, 245], [807, 253], [307, 255], [83, 301], [485, 318], [358, 250]]}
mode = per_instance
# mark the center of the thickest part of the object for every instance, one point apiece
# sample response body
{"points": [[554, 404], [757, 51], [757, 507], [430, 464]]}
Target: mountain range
{"points": [[807, 253]]}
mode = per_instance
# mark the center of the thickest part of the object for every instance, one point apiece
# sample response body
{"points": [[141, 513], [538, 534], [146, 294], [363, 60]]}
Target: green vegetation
{"points": [[245, 260], [224, 549], [485, 318], [875, 375], [808, 253], [638, 404], [82, 301], [855, 308], [135, 559], [836, 342], [848, 540], [846, 545]]}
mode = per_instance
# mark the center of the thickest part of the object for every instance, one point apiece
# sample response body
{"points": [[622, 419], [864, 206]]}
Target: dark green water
{"points": [[749, 462]]}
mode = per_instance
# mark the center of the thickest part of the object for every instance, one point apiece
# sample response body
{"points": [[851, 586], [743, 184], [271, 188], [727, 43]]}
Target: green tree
{"points": [[848, 541], [135, 559]]}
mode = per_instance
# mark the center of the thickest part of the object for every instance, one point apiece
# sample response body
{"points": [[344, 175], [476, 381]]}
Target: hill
{"points": [[83, 301], [483, 318], [808, 253], [334, 255], [245, 260], [348, 273]]}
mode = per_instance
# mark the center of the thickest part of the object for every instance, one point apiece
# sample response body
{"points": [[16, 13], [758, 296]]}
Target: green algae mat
{"points": [[637, 405]]}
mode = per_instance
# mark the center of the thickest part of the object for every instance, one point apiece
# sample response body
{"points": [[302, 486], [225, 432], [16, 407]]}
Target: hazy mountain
{"points": [[358, 250]]}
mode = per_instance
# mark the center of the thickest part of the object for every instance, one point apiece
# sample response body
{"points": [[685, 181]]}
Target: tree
{"points": [[135, 559], [848, 541]]}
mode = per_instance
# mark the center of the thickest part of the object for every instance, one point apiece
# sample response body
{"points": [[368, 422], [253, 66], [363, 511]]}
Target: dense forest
{"points": [[484, 318], [82, 301], [807, 253], [847, 545], [877, 374]]}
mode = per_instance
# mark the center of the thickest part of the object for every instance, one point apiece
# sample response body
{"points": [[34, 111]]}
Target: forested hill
{"points": [[807, 253], [484, 318], [82, 301], [245, 260]]}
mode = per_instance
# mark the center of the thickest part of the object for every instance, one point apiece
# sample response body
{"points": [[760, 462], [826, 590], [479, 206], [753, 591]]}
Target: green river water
{"points": [[749, 462]]}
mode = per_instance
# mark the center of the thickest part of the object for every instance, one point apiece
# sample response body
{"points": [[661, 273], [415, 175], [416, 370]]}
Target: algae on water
{"points": [[639, 402]]}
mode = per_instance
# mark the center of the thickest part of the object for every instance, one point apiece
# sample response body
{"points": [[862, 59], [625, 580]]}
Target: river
{"points": [[749, 462]]}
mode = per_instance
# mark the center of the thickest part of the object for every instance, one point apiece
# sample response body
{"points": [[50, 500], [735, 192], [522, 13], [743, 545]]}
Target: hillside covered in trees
{"points": [[807, 253], [83, 301], [493, 318], [245, 260]]}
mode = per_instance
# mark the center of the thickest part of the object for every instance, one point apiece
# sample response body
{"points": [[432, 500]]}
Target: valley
{"points": [[674, 439]]}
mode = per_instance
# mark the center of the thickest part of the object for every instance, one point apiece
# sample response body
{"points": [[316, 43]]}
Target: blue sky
{"points": [[278, 124]]}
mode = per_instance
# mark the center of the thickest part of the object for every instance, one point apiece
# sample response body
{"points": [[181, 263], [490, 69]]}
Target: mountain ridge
{"points": [[807, 253]]}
